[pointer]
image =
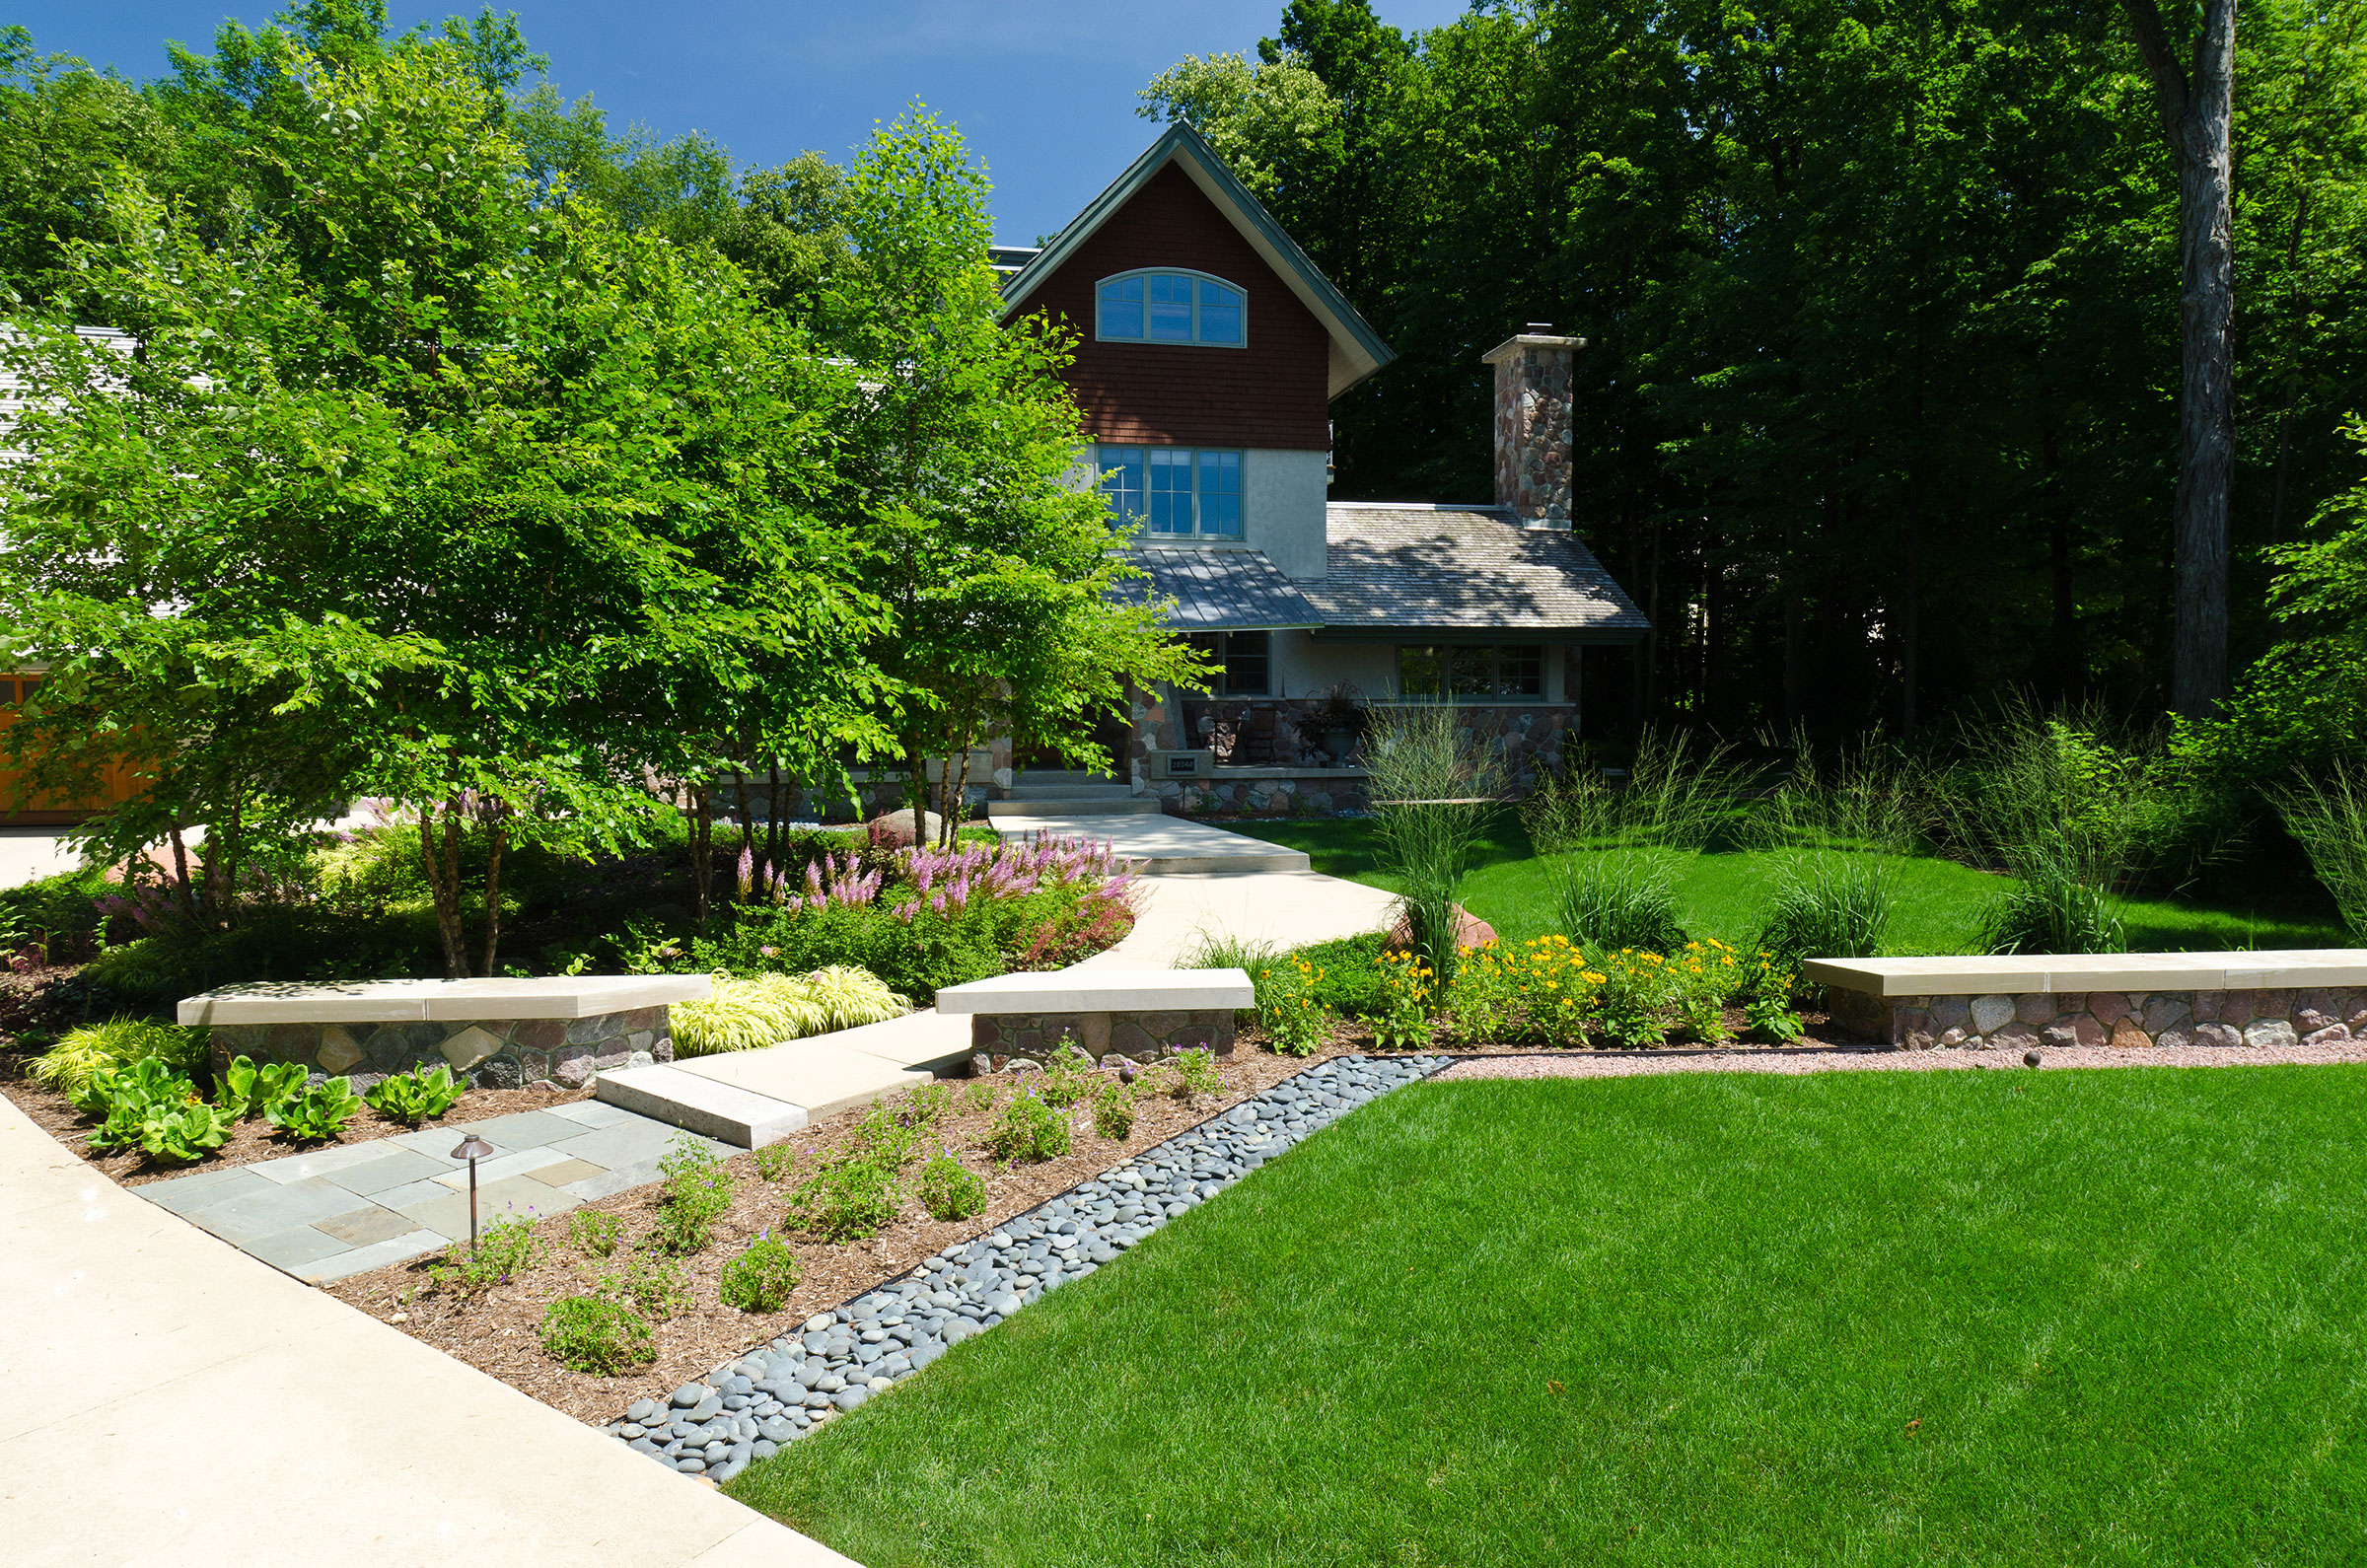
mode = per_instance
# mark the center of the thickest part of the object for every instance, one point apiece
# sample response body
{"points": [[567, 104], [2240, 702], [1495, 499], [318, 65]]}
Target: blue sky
{"points": [[1043, 89]]}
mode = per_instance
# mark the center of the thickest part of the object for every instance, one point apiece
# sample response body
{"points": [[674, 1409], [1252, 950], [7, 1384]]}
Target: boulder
{"points": [[893, 829], [1470, 932]]}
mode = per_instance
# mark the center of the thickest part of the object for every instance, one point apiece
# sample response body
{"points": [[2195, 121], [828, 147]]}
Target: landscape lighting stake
{"points": [[472, 1149]]}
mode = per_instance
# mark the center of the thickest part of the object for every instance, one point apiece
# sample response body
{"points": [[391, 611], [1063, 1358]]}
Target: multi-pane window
{"points": [[1469, 672], [1168, 308], [1174, 490], [1245, 660]]}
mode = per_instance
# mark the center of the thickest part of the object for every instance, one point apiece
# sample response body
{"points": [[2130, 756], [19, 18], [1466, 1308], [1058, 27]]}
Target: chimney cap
{"points": [[1530, 340], [1537, 327]]}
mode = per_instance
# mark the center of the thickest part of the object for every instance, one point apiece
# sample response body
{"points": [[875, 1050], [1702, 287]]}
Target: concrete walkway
{"points": [[350, 1208], [1163, 846], [169, 1399]]}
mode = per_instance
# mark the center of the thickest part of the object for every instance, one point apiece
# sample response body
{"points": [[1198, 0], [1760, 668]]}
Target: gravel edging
{"points": [[1604, 1065], [748, 1407]]}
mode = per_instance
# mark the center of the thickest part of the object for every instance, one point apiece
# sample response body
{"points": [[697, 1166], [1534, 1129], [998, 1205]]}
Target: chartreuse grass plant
{"points": [[67, 1066], [1847, 1317], [758, 1010]]}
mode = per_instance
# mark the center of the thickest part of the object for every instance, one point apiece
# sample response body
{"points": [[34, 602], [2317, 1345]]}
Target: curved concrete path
{"points": [[166, 1399]]}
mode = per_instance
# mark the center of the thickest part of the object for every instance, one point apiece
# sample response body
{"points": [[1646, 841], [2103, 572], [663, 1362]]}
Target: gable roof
{"points": [[1455, 569], [1356, 349]]}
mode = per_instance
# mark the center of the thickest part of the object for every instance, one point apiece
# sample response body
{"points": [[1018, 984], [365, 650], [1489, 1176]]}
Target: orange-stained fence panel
{"points": [[117, 783]]}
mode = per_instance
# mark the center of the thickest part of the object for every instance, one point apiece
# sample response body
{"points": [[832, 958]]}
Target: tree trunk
{"points": [[917, 753], [443, 866], [497, 834], [2198, 105], [702, 852]]}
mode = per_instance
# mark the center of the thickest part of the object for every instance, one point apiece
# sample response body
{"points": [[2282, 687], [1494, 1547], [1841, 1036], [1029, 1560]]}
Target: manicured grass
{"points": [[1723, 896], [2106, 1317]]}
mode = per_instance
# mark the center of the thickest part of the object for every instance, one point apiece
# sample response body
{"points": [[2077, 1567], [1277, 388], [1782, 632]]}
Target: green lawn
{"points": [[1723, 895], [2102, 1318]]}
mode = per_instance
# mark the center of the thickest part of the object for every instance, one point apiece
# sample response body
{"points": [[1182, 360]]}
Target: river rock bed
{"points": [[745, 1409]]}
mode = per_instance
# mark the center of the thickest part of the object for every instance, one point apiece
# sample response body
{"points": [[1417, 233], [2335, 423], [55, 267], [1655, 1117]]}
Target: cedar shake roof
{"points": [[1356, 350], [1222, 590], [1464, 569]]}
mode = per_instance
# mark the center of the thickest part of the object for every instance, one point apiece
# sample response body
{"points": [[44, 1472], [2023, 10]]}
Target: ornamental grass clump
{"points": [[761, 1279], [758, 1010], [1619, 847], [1435, 788], [2329, 818]]}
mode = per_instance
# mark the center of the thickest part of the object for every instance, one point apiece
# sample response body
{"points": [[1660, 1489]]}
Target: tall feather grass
{"points": [[2328, 818], [1435, 785], [1619, 848]]}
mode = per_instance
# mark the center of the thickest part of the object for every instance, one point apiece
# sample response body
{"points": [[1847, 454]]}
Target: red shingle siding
{"points": [[1272, 393]]}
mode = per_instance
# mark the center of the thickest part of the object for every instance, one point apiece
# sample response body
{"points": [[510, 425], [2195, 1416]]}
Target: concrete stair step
{"points": [[720, 1110], [1070, 792], [1121, 804]]}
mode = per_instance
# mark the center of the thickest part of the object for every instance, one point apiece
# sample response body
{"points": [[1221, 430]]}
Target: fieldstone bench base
{"points": [[489, 1053], [1000, 1042], [2122, 1019]]}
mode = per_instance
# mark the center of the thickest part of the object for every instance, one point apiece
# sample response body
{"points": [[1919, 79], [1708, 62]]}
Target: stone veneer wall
{"points": [[1531, 737], [2124, 1019], [489, 1053], [1001, 1041]]}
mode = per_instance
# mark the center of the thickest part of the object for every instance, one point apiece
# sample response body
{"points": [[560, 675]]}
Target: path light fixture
{"points": [[472, 1149]]}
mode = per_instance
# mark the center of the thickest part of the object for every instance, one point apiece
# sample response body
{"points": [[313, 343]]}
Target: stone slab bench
{"points": [[2314, 996], [496, 1033], [1140, 1015]]}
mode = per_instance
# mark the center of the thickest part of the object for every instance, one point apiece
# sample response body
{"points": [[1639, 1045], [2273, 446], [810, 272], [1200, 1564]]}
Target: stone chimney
{"points": [[1533, 424]]}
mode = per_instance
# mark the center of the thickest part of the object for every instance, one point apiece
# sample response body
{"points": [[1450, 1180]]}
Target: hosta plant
{"points": [[130, 1097], [183, 1133], [249, 1090], [68, 1065], [412, 1098], [318, 1114]]}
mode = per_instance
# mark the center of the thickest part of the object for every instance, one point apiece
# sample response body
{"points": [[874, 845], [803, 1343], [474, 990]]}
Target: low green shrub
{"points": [[595, 1233], [657, 1287], [1295, 1022], [318, 1114], [949, 1189], [67, 1066], [928, 1104], [252, 1090], [1114, 1110], [412, 1098], [775, 1162], [1027, 1133], [596, 1336], [761, 1279], [504, 1248], [697, 1191], [1349, 982], [1196, 1073], [851, 1197], [1067, 1078]]}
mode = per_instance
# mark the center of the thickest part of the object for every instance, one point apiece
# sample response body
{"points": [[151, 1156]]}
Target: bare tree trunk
{"points": [[2198, 105], [443, 866], [183, 887], [921, 791]]}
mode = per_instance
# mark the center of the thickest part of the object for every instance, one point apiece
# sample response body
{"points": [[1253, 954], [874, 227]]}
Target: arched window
{"points": [[1168, 306]]}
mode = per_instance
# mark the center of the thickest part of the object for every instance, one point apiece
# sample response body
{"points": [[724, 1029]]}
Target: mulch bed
{"points": [[497, 1332]]}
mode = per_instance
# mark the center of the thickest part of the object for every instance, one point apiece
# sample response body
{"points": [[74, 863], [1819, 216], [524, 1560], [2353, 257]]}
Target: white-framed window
{"points": [[1169, 306], [1173, 492], [1243, 659], [1469, 672]]}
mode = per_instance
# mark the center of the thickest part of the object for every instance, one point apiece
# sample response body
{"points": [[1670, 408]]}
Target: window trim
{"points": [[1146, 340], [1218, 644], [1197, 534], [1497, 693]]}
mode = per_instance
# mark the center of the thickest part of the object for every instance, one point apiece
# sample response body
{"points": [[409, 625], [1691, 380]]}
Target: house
{"points": [[1209, 349]]}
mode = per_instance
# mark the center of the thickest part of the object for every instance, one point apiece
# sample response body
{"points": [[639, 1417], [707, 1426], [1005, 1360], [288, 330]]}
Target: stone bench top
{"points": [[1101, 991], [434, 1001], [2039, 973]]}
